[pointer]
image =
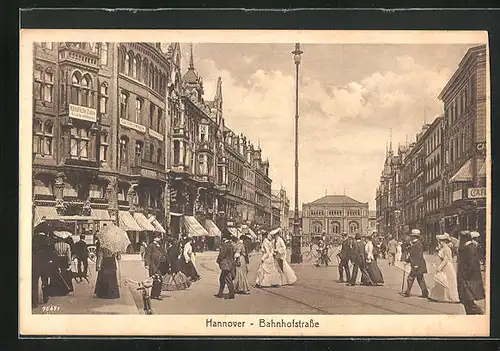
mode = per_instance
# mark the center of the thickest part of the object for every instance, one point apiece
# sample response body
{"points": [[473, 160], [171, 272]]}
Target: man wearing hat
{"points": [[82, 255], [344, 255], [358, 258], [153, 258], [418, 265], [225, 260], [469, 278], [43, 262]]}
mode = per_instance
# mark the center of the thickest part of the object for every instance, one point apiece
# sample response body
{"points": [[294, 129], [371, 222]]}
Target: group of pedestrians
{"points": [[170, 264], [233, 260], [363, 255]]}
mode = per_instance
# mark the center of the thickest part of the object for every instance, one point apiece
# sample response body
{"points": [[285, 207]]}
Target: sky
{"points": [[352, 97]]}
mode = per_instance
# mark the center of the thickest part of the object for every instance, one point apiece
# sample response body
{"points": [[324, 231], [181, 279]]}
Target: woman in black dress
{"points": [[175, 279], [106, 286]]}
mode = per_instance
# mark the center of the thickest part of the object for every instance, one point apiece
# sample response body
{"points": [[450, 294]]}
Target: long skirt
{"points": [[190, 270], [60, 282], [445, 287], [375, 273], [241, 281], [106, 286], [268, 273], [287, 275], [175, 281]]}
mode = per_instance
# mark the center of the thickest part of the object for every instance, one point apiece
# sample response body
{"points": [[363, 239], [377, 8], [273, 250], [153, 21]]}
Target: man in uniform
{"points": [[344, 255], [418, 265]]}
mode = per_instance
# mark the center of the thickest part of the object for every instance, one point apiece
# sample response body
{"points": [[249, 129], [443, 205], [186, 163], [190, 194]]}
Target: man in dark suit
{"points": [[344, 254], [43, 265], [225, 260], [418, 265], [82, 255], [153, 258], [469, 278], [358, 258]]}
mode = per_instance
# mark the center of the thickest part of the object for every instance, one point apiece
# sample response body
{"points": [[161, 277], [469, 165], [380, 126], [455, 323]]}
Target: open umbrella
{"points": [[62, 234], [114, 239]]}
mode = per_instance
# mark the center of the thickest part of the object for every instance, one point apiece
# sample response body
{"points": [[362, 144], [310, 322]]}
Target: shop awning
{"points": [[43, 213], [100, 214], [464, 174], [212, 228], [193, 227], [42, 190], [127, 222], [143, 222], [158, 226]]}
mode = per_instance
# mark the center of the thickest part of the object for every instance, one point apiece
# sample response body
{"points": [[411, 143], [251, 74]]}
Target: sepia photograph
{"points": [[241, 183]]}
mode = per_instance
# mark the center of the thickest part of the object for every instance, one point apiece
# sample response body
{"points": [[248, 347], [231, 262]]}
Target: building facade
{"points": [[464, 137], [334, 215], [281, 209]]}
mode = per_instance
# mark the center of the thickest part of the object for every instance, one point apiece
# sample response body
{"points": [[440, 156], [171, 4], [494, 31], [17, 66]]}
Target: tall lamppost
{"points": [[296, 239]]}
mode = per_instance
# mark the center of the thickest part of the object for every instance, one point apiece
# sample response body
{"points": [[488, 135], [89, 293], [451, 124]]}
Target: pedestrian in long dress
{"points": [[445, 288], [225, 260], [287, 274], [189, 268], [359, 261], [241, 285], [372, 268], [268, 274], [153, 258], [174, 279], [344, 255], [418, 265], [469, 278], [44, 258], [106, 286]]}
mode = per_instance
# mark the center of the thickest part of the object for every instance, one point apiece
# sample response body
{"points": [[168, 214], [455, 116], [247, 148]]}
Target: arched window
{"points": [[104, 147], [151, 152], [317, 227], [103, 54], [75, 88], [335, 227], [134, 67], [145, 69], [85, 85], [137, 65], [138, 150], [123, 105], [151, 76], [159, 159], [138, 110], [123, 149], [127, 64], [104, 98], [353, 227]]}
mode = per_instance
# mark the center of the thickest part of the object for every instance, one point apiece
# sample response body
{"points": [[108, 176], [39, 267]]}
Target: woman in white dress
{"points": [[445, 278], [287, 274], [399, 251], [268, 273]]}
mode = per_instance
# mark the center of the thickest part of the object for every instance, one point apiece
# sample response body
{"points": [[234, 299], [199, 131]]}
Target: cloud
{"points": [[343, 130]]}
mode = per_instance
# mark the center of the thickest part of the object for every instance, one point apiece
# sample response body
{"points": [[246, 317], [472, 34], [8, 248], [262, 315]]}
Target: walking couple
{"points": [[233, 260], [364, 259], [274, 270]]}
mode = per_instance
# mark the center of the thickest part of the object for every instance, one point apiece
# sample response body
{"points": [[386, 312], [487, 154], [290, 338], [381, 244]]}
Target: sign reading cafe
{"points": [[82, 112], [476, 193]]}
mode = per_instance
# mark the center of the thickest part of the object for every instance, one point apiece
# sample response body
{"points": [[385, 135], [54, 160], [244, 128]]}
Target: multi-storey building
{"points": [[464, 138], [433, 188], [262, 191], [198, 172], [280, 202], [372, 221], [275, 211], [334, 214], [97, 152]]}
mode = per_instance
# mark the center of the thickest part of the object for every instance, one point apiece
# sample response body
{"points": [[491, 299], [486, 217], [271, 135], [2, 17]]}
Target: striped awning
{"points": [[193, 227], [158, 226], [212, 228], [143, 222], [43, 213], [127, 222]]}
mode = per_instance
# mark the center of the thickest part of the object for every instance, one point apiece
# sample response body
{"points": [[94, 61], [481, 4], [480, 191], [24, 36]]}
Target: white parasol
{"points": [[114, 239], [62, 234]]}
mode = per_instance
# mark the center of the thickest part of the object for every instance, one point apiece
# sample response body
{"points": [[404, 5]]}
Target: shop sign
{"points": [[457, 195], [132, 125], [155, 134], [476, 193], [82, 112], [148, 173]]}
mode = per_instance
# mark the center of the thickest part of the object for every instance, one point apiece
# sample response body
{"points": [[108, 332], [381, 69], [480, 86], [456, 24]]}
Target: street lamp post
{"points": [[296, 240]]}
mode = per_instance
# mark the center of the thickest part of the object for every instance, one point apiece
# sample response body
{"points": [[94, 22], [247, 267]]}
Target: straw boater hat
{"points": [[443, 237], [415, 232], [465, 233], [275, 231], [474, 235]]}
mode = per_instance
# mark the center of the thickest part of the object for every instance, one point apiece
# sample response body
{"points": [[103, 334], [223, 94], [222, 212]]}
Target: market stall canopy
{"points": [[143, 222], [212, 228], [193, 227], [127, 222]]}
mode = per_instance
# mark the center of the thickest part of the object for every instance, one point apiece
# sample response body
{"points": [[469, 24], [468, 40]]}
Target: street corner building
{"points": [[437, 183], [121, 133], [334, 215]]}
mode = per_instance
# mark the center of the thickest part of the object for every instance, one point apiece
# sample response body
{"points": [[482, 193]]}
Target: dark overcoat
{"points": [[154, 257], [358, 255], [345, 250], [225, 260], [469, 279], [416, 258]]}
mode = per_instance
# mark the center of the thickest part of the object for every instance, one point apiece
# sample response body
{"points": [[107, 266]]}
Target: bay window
{"points": [[80, 139]]}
